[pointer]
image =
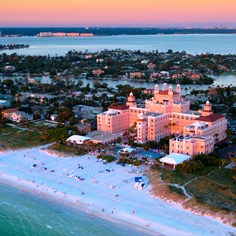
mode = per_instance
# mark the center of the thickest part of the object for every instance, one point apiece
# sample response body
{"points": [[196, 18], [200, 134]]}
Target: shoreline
{"points": [[122, 34], [68, 203], [123, 203]]}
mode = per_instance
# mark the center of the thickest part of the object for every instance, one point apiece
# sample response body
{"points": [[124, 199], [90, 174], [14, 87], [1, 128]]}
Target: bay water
{"points": [[191, 43]]}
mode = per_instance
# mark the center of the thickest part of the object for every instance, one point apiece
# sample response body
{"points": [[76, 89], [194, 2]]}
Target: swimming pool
{"points": [[141, 152], [150, 154]]}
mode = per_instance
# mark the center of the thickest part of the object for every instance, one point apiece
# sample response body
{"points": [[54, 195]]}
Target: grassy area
{"points": [[12, 138], [229, 73], [174, 189], [40, 124], [214, 193], [216, 190], [162, 190], [174, 177], [8, 129]]}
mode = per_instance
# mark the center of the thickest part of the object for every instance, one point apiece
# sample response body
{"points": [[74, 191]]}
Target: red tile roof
{"points": [[210, 118], [118, 107], [165, 92], [10, 110], [141, 119]]}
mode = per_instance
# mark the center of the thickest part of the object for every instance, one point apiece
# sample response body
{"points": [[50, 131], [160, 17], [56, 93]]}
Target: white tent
{"points": [[127, 150], [174, 159], [78, 139]]}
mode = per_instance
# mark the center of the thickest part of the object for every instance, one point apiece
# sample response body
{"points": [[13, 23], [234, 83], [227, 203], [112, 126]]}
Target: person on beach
{"points": [[23, 191]]}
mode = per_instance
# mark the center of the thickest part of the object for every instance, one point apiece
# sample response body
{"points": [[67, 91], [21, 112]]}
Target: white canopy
{"points": [[175, 158], [127, 149], [79, 139]]}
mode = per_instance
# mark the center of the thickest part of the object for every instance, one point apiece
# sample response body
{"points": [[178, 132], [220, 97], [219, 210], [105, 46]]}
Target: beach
{"points": [[102, 190]]}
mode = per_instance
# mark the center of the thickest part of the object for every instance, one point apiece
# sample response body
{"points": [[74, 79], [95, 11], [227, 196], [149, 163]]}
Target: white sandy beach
{"points": [[107, 191]]}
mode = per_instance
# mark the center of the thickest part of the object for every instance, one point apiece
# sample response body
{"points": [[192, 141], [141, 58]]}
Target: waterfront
{"points": [[219, 80], [191, 43]]}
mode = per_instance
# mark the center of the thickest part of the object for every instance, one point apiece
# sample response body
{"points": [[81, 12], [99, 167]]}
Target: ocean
{"points": [[191, 43], [27, 215]]}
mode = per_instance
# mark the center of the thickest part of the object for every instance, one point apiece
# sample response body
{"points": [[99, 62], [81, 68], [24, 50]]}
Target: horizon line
{"points": [[139, 27]]}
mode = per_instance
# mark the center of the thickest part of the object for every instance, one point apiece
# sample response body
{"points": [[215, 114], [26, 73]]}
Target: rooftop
{"points": [[118, 107], [195, 113], [182, 102], [103, 137], [153, 114], [197, 125], [11, 110], [165, 92], [75, 138], [110, 113], [191, 138], [175, 158], [210, 118]]}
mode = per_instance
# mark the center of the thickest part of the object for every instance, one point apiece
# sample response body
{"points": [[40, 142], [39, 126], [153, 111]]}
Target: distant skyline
{"points": [[117, 13]]}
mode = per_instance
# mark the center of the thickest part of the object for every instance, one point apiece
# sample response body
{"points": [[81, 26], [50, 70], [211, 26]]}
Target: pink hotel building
{"points": [[167, 113]]}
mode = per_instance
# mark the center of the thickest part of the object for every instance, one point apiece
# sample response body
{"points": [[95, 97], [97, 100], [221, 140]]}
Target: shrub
{"points": [[176, 190], [108, 158], [190, 167]]}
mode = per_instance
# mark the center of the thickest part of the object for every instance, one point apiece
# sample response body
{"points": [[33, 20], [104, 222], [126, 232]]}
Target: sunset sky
{"points": [[117, 12]]}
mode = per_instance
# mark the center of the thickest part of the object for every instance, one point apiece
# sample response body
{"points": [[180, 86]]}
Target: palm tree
{"points": [[233, 161], [186, 89], [216, 138]]}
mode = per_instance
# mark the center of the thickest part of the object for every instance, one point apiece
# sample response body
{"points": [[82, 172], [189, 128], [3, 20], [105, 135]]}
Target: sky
{"points": [[143, 13]]}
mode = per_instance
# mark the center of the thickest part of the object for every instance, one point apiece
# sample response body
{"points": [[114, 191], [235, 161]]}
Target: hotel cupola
{"points": [[156, 89], [178, 88], [131, 100], [170, 90], [156, 92], [164, 87], [207, 110]]}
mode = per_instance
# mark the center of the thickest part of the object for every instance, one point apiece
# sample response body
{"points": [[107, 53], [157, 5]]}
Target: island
{"points": [[13, 46], [171, 67]]}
